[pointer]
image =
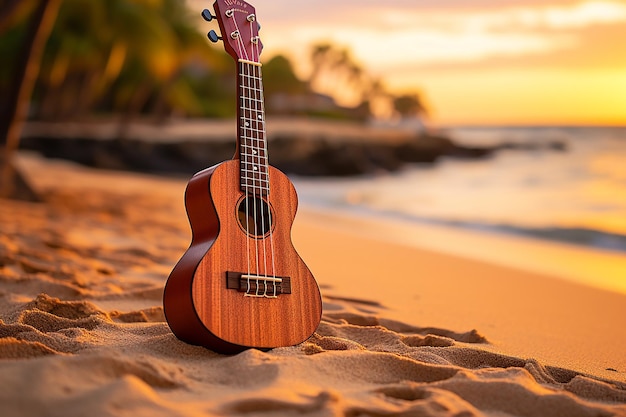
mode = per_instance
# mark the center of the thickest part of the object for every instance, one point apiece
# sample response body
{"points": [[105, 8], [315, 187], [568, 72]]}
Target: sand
{"points": [[522, 313], [82, 330]]}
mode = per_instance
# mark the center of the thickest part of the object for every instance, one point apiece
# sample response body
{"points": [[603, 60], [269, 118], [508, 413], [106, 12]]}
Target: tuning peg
{"points": [[213, 36], [206, 15], [258, 26]]}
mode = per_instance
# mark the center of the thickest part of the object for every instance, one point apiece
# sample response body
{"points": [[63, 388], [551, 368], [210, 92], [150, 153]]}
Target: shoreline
{"points": [[366, 246], [525, 312], [405, 330], [314, 148], [587, 265]]}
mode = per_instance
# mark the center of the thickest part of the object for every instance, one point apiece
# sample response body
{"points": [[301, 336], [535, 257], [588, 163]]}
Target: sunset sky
{"points": [[475, 62]]}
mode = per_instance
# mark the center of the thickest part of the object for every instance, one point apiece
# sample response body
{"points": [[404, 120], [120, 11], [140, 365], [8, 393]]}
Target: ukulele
{"points": [[241, 284]]}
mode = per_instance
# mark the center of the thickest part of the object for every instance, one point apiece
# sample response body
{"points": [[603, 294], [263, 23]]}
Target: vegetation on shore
{"points": [[149, 58], [85, 59]]}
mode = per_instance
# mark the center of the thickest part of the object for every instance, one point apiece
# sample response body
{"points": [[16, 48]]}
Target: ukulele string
{"points": [[256, 172], [244, 125], [256, 54], [250, 169], [254, 168], [246, 85], [266, 166], [242, 48], [256, 189], [243, 163], [257, 49], [261, 169], [264, 163]]}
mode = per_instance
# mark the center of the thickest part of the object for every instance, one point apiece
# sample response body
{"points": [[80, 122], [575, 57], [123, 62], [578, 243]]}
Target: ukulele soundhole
{"points": [[255, 217]]}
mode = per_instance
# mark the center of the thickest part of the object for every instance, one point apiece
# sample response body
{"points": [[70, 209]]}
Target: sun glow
{"points": [[524, 96], [584, 14], [524, 62]]}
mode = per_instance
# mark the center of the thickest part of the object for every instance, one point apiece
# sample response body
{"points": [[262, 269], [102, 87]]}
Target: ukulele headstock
{"points": [[239, 27]]}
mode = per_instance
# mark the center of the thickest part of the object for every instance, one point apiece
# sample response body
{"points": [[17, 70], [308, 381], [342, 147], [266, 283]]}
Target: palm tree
{"points": [[335, 72], [123, 56], [17, 102], [8, 10], [409, 105]]}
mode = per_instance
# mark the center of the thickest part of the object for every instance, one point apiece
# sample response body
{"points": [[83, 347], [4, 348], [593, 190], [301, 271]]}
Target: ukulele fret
{"points": [[253, 142], [250, 88], [255, 187], [257, 157], [251, 99], [254, 130], [258, 175], [254, 164], [258, 181], [255, 151]]}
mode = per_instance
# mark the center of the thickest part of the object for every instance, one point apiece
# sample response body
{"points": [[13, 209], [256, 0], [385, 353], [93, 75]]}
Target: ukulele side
{"points": [[200, 307], [177, 303]]}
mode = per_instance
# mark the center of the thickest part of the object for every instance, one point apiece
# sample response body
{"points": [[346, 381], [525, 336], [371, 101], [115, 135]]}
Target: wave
{"points": [[572, 235], [528, 194], [580, 236]]}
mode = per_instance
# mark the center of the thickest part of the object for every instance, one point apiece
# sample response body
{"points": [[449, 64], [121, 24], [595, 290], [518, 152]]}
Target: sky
{"points": [[475, 62]]}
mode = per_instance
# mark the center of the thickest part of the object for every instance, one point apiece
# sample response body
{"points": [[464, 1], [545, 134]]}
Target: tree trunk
{"points": [[161, 109], [12, 184], [7, 9], [137, 101]]}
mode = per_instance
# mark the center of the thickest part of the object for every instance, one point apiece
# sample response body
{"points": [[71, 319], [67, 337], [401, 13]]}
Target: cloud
{"points": [[581, 15], [424, 33], [550, 17], [368, 12], [427, 47]]}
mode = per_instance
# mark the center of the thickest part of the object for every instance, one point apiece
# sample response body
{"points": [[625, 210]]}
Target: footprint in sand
{"points": [[48, 325], [148, 315]]}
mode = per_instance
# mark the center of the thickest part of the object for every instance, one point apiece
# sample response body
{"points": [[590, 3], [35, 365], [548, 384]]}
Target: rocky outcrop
{"points": [[298, 152]]}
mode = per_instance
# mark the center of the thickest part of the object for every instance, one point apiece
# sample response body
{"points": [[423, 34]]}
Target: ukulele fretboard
{"points": [[252, 143]]}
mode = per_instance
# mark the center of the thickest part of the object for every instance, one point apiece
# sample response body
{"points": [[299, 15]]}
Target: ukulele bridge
{"points": [[260, 286]]}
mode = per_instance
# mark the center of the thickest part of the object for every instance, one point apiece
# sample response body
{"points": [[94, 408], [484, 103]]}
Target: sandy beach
{"points": [[407, 329]]}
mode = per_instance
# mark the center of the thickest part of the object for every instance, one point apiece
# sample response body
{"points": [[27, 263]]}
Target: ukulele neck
{"points": [[251, 141]]}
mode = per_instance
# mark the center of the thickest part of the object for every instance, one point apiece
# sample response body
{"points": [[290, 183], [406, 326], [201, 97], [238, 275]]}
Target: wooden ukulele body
{"points": [[199, 307]]}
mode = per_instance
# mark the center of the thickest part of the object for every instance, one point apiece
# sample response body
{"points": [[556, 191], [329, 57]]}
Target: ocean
{"points": [[576, 195]]}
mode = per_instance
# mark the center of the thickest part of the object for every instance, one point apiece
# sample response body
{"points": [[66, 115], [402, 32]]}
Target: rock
{"points": [[294, 152]]}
